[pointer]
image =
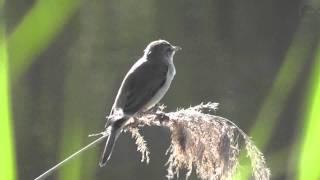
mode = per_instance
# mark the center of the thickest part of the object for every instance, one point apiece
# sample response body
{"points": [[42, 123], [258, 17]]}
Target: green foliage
{"points": [[295, 59], [309, 168], [275, 101], [37, 30], [71, 142], [7, 150]]}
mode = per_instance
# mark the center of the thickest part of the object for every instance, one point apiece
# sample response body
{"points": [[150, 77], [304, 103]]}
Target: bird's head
{"points": [[160, 49]]}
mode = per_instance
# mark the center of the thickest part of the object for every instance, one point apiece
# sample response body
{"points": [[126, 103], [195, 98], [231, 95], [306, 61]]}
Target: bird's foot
{"points": [[162, 117], [157, 107], [154, 109]]}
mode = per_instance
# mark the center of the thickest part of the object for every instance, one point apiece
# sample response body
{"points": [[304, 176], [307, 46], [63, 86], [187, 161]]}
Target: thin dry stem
{"points": [[141, 144]]}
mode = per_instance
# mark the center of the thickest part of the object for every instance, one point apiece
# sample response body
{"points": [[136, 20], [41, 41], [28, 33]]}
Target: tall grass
{"points": [[31, 36], [36, 31], [294, 61], [309, 168], [7, 150], [71, 141]]}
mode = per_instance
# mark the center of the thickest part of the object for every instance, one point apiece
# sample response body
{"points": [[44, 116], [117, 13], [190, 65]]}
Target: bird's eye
{"points": [[168, 49]]}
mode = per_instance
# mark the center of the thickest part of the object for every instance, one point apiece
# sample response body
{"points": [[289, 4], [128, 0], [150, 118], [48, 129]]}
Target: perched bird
{"points": [[143, 87]]}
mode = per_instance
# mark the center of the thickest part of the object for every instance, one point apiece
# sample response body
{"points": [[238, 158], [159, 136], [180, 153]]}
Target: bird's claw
{"points": [[162, 117]]}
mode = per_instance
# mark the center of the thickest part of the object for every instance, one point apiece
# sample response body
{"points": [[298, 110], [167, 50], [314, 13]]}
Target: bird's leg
{"points": [[135, 120], [157, 110], [161, 116], [154, 109], [151, 111]]}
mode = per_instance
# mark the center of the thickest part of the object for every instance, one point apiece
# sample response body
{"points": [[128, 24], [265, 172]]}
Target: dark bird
{"points": [[143, 87]]}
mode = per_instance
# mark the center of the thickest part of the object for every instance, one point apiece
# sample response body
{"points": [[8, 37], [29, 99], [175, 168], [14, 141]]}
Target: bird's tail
{"points": [[115, 129], [108, 148]]}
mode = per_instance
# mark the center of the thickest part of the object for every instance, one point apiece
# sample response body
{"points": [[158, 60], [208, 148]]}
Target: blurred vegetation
{"points": [[309, 158], [36, 30], [7, 150], [301, 48], [66, 59]]}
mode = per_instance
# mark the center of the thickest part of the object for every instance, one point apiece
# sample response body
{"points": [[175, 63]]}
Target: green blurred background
{"points": [[62, 62]]}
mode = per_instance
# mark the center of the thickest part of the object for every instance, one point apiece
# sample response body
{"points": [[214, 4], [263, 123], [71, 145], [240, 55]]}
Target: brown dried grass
{"points": [[200, 141]]}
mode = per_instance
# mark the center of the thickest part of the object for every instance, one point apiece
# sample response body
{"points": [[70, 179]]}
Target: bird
{"points": [[142, 88]]}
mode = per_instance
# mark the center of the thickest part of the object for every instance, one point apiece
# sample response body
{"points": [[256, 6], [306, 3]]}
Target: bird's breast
{"points": [[163, 90]]}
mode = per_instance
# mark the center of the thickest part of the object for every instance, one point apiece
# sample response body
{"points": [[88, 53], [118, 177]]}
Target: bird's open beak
{"points": [[176, 48]]}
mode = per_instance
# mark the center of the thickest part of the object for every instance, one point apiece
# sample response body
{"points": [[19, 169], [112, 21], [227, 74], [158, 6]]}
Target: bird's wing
{"points": [[139, 86]]}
